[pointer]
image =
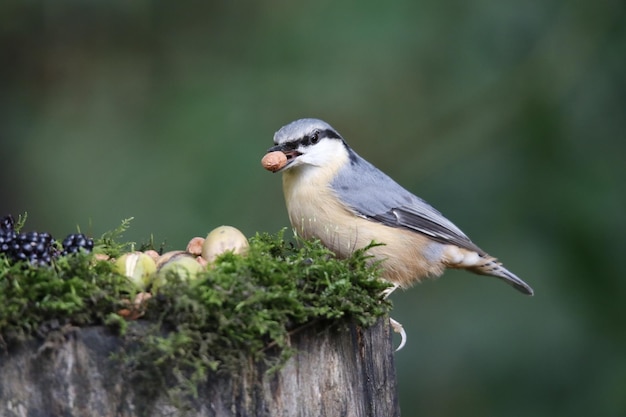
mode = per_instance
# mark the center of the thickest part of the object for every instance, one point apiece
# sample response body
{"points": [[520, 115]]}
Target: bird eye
{"points": [[315, 137]]}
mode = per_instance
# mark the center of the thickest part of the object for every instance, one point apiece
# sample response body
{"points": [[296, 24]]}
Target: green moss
{"points": [[76, 290], [244, 303], [110, 243], [247, 304], [234, 311]]}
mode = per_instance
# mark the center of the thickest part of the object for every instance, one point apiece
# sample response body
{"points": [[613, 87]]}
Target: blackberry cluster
{"points": [[75, 242], [7, 233], [37, 248]]}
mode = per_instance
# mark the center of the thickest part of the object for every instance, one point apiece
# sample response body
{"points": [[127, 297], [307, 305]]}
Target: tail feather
{"points": [[492, 267], [483, 264]]}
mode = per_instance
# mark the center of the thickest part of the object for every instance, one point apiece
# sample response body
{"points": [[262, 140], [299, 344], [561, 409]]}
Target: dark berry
{"points": [[6, 239], [36, 248], [7, 224], [75, 242]]}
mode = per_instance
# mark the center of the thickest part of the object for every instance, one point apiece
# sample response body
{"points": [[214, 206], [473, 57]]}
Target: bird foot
{"points": [[397, 328], [387, 292], [395, 325]]}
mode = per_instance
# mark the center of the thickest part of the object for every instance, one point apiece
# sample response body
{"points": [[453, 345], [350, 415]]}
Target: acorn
{"points": [[224, 239], [138, 267]]}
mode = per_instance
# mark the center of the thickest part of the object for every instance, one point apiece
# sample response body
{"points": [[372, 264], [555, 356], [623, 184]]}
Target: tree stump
{"points": [[347, 372]]}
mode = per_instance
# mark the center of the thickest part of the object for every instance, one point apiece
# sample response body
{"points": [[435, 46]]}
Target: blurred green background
{"points": [[508, 116]]}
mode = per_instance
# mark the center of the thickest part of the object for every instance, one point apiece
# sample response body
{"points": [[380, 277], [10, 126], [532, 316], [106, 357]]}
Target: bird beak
{"points": [[289, 153]]}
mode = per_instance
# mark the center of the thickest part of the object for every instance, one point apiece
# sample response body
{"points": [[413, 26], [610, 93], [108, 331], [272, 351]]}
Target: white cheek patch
{"points": [[329, 153]]}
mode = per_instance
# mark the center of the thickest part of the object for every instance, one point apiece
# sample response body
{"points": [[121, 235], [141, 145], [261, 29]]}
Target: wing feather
{"points": [[372, 194]]}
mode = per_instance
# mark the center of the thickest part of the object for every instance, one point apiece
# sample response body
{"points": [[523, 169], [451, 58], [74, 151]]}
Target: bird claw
{"points": [[397, 328], [395, 325], [387, 292]]}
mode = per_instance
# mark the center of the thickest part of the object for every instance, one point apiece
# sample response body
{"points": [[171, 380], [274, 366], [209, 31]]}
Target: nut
{"points": [[167, 256], [223, 239], [274, 161], [137, 266], [202, 261], [137, 308], [153, 254], [101, 257], [179, 263], [194, 246]]}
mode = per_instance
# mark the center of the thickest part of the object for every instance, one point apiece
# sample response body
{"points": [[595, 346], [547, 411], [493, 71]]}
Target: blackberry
{"points": [[7, 224], [6, 240], [74, 242], [36, 248], [7, 233]]}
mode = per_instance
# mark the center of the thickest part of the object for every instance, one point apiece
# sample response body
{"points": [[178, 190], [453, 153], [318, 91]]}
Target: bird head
{"points": [[309, 142]]}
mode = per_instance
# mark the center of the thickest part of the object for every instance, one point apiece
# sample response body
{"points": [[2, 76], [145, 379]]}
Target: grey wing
{"points": [[374, 195]]}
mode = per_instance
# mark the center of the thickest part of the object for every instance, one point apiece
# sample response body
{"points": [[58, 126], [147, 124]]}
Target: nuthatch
{"points": [[336, 196]]}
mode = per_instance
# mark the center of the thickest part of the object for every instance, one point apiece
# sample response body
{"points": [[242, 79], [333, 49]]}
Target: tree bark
{"points": [[347, 372]]}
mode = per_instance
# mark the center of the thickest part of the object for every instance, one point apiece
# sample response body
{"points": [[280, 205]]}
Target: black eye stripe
{"points": [[316, 136], [329, 133], [291, 146]]}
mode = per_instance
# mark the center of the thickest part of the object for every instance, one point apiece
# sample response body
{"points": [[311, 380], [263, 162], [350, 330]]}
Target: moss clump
{"points": [[245, 304], [236, 309], [75, 291]]}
